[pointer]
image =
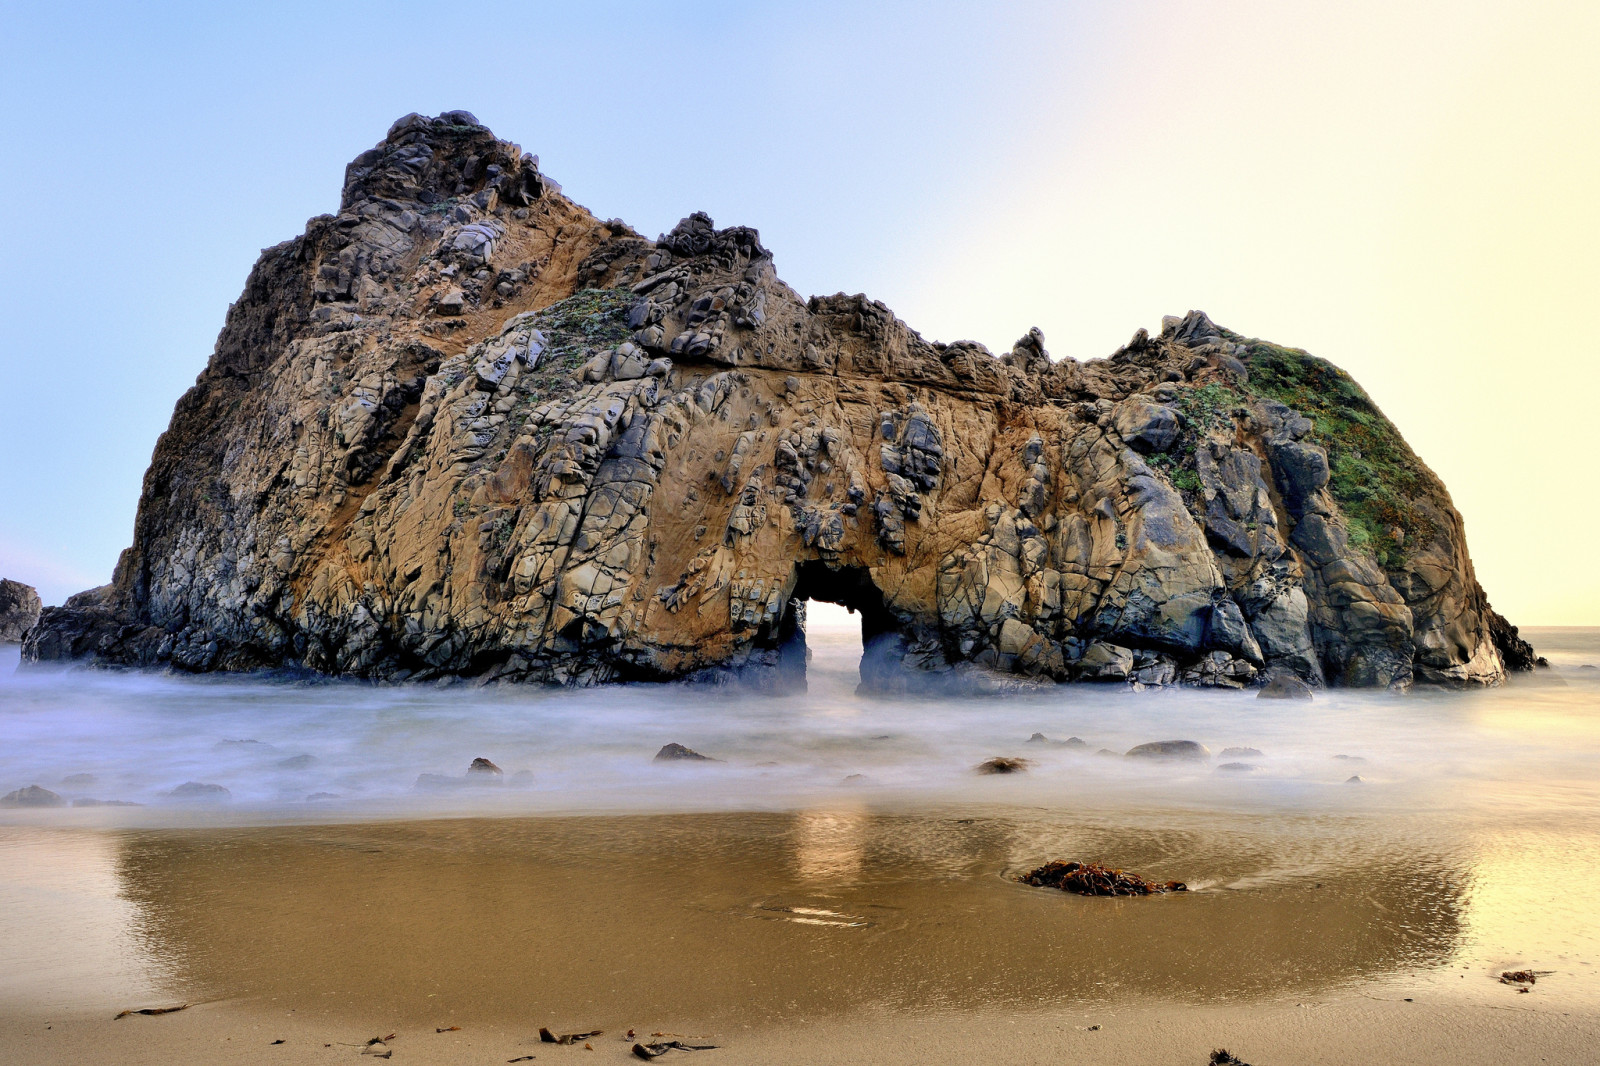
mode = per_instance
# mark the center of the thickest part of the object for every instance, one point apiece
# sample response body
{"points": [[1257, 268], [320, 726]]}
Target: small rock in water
{"points": [[1002, 765], [317, 797], [32, 796], [1241, 753], [1235, 768], [297, 762], [199, 791], [1349, 758], [1284, 687], [78, 780], [86, 802], [1170, 749], [677, 752], [1354, 779], [480, 765], [858, 781], [1589, 666], [1070, 742]]}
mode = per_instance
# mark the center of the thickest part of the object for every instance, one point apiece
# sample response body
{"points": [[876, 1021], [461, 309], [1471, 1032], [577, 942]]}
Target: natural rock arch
{"points": [[465, 428]]}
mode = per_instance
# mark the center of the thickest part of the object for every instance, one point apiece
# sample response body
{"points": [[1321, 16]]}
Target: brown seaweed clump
{"points": [[1094, 879]]}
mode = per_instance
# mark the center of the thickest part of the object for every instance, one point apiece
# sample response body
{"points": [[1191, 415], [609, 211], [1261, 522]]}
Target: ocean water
{"points": [[343, 749]]}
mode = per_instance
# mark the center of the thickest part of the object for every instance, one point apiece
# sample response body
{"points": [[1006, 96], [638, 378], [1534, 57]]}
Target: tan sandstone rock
{"points": [[464, 427]]}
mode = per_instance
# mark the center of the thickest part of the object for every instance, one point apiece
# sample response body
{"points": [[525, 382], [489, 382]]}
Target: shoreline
{"points": [[1352, 1028]]}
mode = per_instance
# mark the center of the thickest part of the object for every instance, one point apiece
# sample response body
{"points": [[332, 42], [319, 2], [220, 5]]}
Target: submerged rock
{"points": [[1003, 765], [199, 791], [1241, 753], [463, 427], [1170, 749], [1284, 687], [677, 753]]}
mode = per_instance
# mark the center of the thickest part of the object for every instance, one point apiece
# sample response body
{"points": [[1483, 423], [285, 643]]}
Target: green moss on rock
{"points": [[1373, 474]]}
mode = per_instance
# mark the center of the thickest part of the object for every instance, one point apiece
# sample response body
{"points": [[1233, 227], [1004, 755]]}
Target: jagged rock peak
{"points": [[467, 428]]}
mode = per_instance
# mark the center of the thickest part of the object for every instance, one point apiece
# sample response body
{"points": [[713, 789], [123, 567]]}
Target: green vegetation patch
{"points": [[1374, 474]]}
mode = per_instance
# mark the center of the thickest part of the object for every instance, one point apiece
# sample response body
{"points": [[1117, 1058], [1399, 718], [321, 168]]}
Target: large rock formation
{"points": [[19, 610], [463, 427]]}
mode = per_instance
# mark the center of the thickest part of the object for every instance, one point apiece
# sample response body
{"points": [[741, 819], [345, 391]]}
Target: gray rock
{"points": [[297, 762], [1354, 779], [19, 610], [1106, 662], [104, 803], [451, 303], [481, 765], [199, 791], [1241, 753], [1302, 469], [1170, 749], [1284, 687], [32, 796], [1235, 768], [1149, 427], [678, 753]]}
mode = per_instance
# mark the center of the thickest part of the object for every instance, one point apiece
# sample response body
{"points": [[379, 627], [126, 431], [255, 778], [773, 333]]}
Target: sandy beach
{"points": [[843, 935], [780, 907]]}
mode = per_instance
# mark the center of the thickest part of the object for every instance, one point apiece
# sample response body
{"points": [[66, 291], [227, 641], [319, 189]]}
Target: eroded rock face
{"points": [[463, 427], [19, 610]]}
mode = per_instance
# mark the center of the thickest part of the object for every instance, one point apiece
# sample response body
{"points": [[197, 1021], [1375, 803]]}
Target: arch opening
{"points": [[850, 587]]}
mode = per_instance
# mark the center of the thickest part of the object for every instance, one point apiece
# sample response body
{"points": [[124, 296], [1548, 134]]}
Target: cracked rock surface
{"points": [[465, 428]]}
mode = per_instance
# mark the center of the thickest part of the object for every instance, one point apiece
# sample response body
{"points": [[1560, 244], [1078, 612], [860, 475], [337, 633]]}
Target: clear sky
{"points": [[1411, 189]]}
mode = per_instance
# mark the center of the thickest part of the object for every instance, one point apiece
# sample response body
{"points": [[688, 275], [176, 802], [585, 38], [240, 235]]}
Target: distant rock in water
{"points": [[463, 427], [1170, 749], [1241, 753], [199, 791], [481, 765], [678, 753], [19, 610], [32, 796], [1001, 765]]}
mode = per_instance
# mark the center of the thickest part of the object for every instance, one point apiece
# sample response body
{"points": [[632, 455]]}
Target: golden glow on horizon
{"points": [[1411, 191]]}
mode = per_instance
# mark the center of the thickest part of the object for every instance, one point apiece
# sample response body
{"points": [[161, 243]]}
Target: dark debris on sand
{"points": [[1094, 879], [1223, 1057]]}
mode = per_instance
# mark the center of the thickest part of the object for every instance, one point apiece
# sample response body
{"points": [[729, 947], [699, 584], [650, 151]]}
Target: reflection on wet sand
{"points": [[777, 916]]}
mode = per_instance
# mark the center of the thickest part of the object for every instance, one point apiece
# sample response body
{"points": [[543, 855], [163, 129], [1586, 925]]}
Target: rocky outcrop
{"points": [[463, 427], [19, 610]]}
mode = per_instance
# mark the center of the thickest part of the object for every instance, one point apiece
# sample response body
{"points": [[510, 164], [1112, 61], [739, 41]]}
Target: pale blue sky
{"points": [[1359, 182]]}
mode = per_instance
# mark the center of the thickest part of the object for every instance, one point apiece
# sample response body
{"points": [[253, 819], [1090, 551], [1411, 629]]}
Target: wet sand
{"points": [[838, 934]]}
